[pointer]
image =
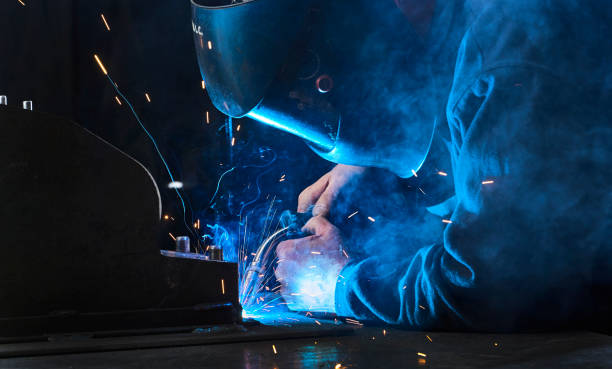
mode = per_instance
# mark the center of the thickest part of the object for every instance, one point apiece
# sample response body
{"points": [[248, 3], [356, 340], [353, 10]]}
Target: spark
{"points": [[147, 97], [21, 2], [312, 266], [274, 349], [429, 338], [209, 45], [171, 236], [166, 217], [384, 332], [488, 182], [316, 321], [345, 254], [352, 215], [371, 219], [296, 294], [233, 141], [338, 366], [442, 173], [118, 101], [222, 287], [105, 22], [203, 85], [100, 64], [420, 189], [207, 117], [422, 307], [238, 128], [421, 354], [315, 252], [175, 184], [447, 221], [414, 172], [404, 287]]}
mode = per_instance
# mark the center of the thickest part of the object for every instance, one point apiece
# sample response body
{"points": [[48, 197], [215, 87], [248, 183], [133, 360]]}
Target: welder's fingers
{"points": [[317, 225], [285, 249], [311, 194], [325, 201], [295, 249]]}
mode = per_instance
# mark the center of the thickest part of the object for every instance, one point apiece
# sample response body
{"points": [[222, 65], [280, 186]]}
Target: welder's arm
{"points": [[499, 263]]}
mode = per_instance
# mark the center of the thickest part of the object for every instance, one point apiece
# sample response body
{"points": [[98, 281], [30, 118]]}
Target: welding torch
{"points": [[292, 224]]}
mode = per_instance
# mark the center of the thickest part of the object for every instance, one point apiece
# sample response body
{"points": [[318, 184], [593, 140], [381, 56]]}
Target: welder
{"points": [[515, 94]]}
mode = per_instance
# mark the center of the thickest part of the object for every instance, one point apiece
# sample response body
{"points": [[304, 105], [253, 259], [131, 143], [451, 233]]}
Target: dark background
{"points": [[46, 55]]}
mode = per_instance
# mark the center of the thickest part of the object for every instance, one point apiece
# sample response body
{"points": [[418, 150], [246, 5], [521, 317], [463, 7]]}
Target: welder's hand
{"points": [[309, 267], [322, 194]]}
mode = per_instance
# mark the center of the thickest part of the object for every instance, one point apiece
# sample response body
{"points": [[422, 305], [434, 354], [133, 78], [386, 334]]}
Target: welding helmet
{"points": [[347, 76]]}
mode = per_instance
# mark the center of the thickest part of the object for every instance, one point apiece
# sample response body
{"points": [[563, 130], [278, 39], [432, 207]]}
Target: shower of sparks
{"points": [[209, 45], [105, 22], [100, 64], [414, 172], [274, 349], [488, 182], [118, 101], [172, 236], [447, 221], [444, 174], [203, 85], [371, 219], [21, 2], [352, 215], [222, 287], [147, 97]]}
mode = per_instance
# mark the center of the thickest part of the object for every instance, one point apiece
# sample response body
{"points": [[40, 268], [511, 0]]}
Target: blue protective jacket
{"points": [[527, 238]]}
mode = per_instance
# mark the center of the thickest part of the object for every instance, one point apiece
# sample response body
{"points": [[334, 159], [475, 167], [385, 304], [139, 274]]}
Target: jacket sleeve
{"points": [[520, 243]]}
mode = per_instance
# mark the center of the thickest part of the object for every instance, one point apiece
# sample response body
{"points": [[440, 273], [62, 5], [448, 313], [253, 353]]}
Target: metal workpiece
{"points": [[182, 244], [215, 253], [98, 265]]}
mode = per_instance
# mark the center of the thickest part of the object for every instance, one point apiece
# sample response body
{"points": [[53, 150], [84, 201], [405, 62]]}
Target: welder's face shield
{"points": [[344, 75]]}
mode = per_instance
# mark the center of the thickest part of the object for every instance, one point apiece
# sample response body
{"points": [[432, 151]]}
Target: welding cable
{"points": [[241, 167], [161, 156]]}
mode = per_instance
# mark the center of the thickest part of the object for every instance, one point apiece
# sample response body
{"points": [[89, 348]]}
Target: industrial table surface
{"points": [[366, 347]]}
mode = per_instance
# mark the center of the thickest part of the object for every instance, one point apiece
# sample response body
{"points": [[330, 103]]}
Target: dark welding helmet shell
{"points": [[341, 74], [241, 47]]}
